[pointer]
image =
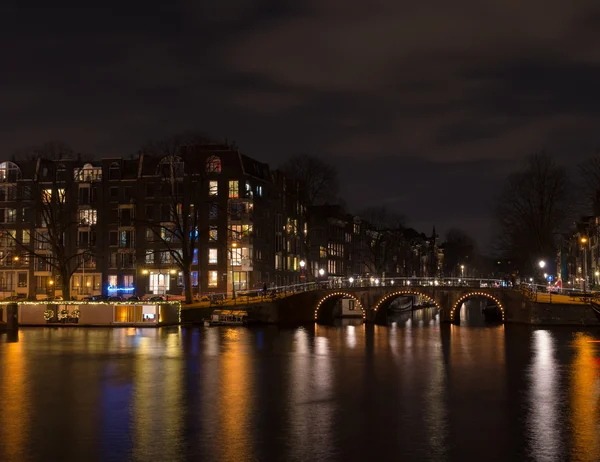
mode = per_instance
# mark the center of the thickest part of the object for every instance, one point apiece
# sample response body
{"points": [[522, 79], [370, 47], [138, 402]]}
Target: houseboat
{"points": [[227, 318]]}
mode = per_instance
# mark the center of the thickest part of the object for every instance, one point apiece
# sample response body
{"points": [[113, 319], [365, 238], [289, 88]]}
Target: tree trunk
{"points": [[187, 284], [65, 282]]}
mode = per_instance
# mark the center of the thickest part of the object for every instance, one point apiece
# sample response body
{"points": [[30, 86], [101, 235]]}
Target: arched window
{"points": [[213, 165], [114, 172], [170, 167], [61, 172], [87, 173], [9, 172]]}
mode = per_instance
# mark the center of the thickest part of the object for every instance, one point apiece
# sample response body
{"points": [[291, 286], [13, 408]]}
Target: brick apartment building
{"points": [[117, 217]]}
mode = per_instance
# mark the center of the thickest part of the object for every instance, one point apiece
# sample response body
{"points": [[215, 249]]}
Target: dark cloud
{"points": [[424, 106]]}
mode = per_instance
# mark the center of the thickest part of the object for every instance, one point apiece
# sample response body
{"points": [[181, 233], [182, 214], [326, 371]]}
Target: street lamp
{"points": [[351, 280], [233, 245], [542, 264], [462, 271], [584, 241], [302, 264], [321, 272]]}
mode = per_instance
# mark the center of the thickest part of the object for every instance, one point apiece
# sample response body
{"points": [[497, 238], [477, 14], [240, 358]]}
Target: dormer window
{"points": [[114, 171], [213, 164]]}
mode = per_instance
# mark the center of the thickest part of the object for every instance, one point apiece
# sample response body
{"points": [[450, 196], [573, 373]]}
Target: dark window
{"points": [[149, 212], [128, 193], [114, 216], [149, 190], [114, 172], [114, 193], [94, 194], [125, 217], [84, 195], [113, 238], [213, 211]]}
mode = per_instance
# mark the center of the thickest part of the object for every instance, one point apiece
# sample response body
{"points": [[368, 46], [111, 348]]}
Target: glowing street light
{"points": [[376, 282], [302, 264], [351, 280], [321, 272], [542, 264]]}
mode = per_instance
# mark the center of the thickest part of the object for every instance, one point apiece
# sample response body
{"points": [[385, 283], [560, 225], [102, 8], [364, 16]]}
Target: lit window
{"points": [[213, 165], [213, 233], [88, 217], [236, 256], [259, 191], [213, 188], [149, 256], [212, 279], [212, 256], [112, 280], [234, 189]]}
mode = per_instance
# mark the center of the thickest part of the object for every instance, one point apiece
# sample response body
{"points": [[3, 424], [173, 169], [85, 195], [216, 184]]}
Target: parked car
{"points": [[115, 298], [134, 298], [99, 298], [156, 298]]}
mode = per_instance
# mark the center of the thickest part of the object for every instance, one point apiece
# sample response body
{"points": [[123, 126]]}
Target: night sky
{"points": [[423, 106]]}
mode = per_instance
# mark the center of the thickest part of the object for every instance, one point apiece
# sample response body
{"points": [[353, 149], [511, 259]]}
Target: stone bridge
{"points": [[318, 305]]}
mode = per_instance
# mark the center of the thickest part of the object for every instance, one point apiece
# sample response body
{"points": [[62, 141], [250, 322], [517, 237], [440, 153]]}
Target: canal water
{"points": [[412, 390]]}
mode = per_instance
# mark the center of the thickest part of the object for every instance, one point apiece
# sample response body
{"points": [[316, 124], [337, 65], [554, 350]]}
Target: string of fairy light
{"points": [[339, 295]]}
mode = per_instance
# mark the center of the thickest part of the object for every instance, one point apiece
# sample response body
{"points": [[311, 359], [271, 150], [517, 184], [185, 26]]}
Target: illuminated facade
{"points": [[115, 219]]}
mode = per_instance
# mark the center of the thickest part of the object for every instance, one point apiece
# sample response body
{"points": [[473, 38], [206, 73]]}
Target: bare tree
{"points": [[459, 249], [184, 170], [384, 237], [589, 171], [49, 199], [532, 209], [318, 178]]}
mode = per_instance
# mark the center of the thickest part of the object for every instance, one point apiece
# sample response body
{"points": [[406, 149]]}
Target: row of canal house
{"points": [[117, 221], [578, 259]]}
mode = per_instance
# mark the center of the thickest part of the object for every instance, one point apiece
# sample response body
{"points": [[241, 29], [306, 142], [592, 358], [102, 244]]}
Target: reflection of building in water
{"points": [[311, 420], [14, 410], [544, 424], [235, 403], [585, 393], [481, 350], [157, 400]]}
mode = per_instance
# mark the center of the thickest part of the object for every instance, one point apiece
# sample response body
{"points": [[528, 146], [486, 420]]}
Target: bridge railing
{"points": [[418, 282], [241, 296], [553, 294]]}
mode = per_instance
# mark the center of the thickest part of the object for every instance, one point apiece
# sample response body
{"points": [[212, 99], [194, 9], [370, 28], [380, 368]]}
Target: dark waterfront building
{"points": [[290, 232], [206, 213], [330, 236], [117, 225]]}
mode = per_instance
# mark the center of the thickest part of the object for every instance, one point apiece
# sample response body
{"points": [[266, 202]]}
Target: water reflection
{"points": [[544, 423], [235, 398], [584, 396], [416, 390], [15, 413]]}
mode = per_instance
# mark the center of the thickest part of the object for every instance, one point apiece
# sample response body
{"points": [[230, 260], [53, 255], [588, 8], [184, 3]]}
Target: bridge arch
{"points": [[380, 307], [390, 297], [330, 300], [475, 294]]}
